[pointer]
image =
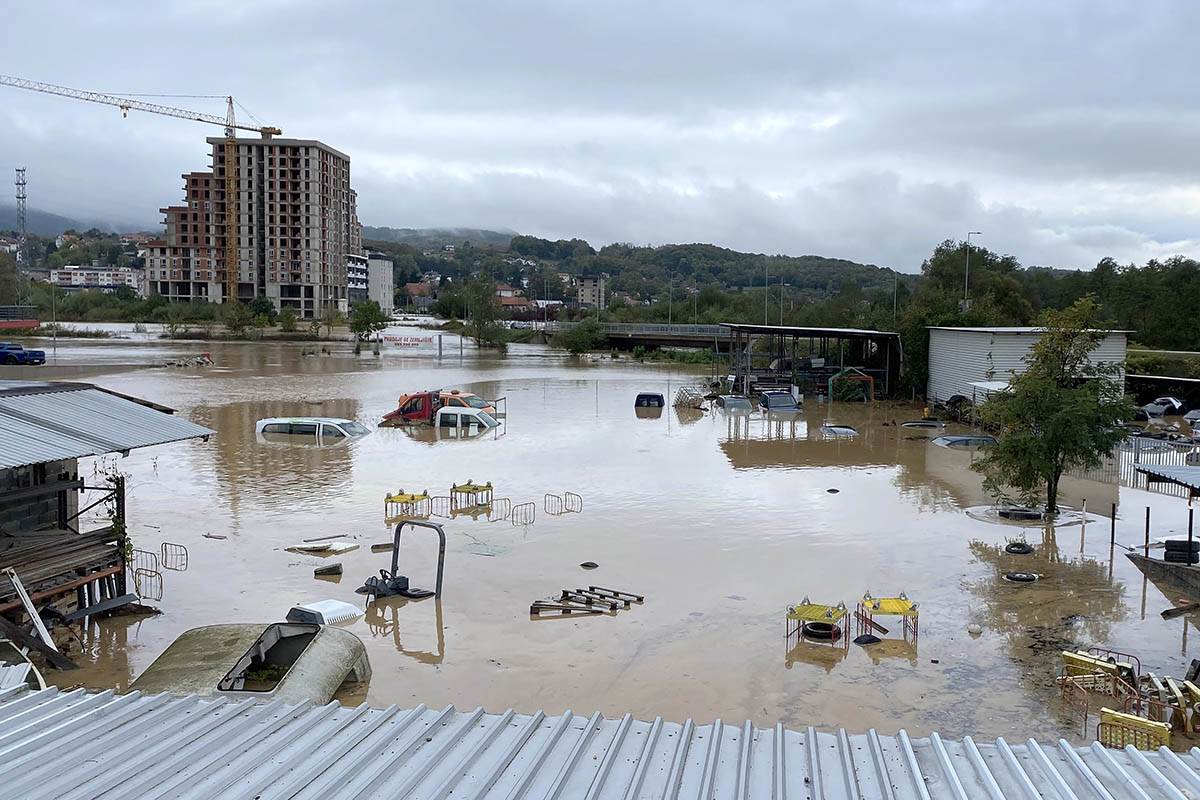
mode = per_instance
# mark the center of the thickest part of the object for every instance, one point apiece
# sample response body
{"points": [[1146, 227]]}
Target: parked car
{"points": [[778, 401], [14, 354], [309, 430], [1151, 410]]}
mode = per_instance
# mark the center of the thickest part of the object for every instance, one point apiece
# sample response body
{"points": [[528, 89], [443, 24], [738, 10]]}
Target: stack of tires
{"points": [[1181, 551]]}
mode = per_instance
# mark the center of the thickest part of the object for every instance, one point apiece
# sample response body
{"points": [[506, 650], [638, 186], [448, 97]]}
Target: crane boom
{"points": [[127, 104], [228, 122]]}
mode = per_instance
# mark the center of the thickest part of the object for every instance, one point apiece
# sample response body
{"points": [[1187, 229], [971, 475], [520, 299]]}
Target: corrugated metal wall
{"points": [[959, 357], [956, 358]]}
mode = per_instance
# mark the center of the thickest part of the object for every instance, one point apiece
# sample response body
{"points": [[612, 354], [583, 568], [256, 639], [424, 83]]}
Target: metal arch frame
{"points": [[433, 526]]}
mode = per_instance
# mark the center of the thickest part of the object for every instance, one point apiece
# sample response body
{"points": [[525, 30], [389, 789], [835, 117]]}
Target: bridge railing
{"points": [[650, 329]]}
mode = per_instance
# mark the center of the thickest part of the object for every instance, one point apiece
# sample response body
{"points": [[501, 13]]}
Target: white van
{"points": [[308, 430], [463, 422]]}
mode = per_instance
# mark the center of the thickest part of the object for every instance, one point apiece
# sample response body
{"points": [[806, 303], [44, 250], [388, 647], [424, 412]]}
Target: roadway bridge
{"points": [[627, 335]]}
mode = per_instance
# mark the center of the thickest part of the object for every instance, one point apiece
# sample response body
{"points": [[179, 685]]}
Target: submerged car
{"points": [[834, 431], [734, 404], [649, 400], [308, 430], [1171, 405], [463, 422], [778, 401], [965, 440]]}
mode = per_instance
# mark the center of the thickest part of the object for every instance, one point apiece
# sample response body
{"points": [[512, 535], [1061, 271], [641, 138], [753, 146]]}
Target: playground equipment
{"points": [[470, 496], [870, 607], [403, 505], [854, 381], [819, 623]]}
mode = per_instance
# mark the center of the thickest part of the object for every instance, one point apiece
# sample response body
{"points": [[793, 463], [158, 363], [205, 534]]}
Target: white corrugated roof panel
{"points": [[78, 744], [49, 422]]}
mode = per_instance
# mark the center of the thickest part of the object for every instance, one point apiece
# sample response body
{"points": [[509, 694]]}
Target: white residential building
{"points": [[380, 283], [76, 278], [971, 362], [590, 292], [357, 269]]}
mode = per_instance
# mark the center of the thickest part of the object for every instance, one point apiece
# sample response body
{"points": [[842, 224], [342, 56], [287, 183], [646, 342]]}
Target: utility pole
{"points": [[781, 285], [670, 295], [895, 293], [766, 291], [966, 304]]}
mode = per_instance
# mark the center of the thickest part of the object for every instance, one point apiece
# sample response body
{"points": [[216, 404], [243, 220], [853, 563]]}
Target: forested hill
{"points": [[436, 238]]}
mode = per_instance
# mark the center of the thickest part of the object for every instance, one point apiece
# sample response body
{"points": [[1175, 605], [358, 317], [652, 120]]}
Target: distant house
{"points": [[970, 363], [448, 248], [504, 290], [8, 245], [515, 303], [422, 289]]}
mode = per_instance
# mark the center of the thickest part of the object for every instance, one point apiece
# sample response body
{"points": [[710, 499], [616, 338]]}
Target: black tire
{"points": [[1018, 548], [1183, 546], [1020, 577], [825, 631], [1181, 557]]}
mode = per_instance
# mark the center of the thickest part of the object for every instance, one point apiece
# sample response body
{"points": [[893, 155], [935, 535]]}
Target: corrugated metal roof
{"points": [[792, 330], [48, 422], [1018, 329], [70, 745], [1179, 475]]}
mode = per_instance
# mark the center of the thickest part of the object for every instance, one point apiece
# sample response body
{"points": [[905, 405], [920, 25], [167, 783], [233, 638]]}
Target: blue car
{"points": [[15, 355]]}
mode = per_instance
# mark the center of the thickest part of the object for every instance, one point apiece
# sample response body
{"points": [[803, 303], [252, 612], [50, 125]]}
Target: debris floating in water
{"points": [[833, 491], [589, 565], [867, 638]]}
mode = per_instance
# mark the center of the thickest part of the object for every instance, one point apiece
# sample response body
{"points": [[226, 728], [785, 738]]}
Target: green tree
{"points": [[483, 311], [287, 319], [330, 318], [1064, 412], [584, 337], [261, 306], [367, 318], [10, 280], [237, 317]]}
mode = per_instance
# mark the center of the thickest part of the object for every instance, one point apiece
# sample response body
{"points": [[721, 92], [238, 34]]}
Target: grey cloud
{"points": [[856, 129]]}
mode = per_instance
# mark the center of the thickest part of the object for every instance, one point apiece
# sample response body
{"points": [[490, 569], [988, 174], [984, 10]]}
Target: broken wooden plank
{"points": [[23, 639], [870, 623], [602, 597], [575, 597], [102, 606], [538, 606], [637, 598]]}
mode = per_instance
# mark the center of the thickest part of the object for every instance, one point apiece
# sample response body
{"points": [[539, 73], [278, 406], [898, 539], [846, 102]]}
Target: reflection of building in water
{"points": [[302, 474], [383, 619]]}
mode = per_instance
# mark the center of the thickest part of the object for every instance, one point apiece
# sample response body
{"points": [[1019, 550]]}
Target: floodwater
{"points": [[720, 522]]}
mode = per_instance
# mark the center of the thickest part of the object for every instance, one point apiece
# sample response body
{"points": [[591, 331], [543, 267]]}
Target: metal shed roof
{"points": [[52, 421], [1188, 477], [1013, 329], [791, 330], [90, 745]]}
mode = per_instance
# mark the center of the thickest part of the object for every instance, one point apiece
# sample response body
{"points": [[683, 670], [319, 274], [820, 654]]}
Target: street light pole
{"points": [[766, 292], [967, 271], [670, 295]]}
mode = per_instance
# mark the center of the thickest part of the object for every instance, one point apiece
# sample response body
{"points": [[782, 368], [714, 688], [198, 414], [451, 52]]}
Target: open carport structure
{"points": [[780, 356]]}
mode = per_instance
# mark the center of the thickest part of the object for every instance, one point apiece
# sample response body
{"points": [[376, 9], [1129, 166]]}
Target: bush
{"points": [[287, 320], [583, 338]]}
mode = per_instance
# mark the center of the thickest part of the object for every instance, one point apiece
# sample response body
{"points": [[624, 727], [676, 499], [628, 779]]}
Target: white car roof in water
{"points": [[302, 421]]}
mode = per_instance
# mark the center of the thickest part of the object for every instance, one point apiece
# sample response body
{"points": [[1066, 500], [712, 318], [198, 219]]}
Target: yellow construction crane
{"points": [[228, 122]]}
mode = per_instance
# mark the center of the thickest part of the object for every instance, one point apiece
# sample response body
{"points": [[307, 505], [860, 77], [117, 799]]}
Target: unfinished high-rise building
{"points": [[297, 223]]}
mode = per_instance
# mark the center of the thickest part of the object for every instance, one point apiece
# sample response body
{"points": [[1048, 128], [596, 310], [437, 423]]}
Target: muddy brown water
{"points": [[721, 522]]}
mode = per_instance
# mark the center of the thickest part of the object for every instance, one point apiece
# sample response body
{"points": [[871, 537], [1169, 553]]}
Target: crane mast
{"points": [[228, 122]]}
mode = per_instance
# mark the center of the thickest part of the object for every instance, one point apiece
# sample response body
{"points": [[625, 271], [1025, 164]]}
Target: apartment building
{"points": [[357, 279], [75, 278], [380, 283], [590, 292], [297, 224]]}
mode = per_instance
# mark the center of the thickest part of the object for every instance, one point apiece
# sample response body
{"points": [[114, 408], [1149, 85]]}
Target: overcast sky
{"points": [[1064, 131]]}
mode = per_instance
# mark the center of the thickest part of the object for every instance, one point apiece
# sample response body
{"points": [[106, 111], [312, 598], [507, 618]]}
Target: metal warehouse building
{"points": [[970, 362]]}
